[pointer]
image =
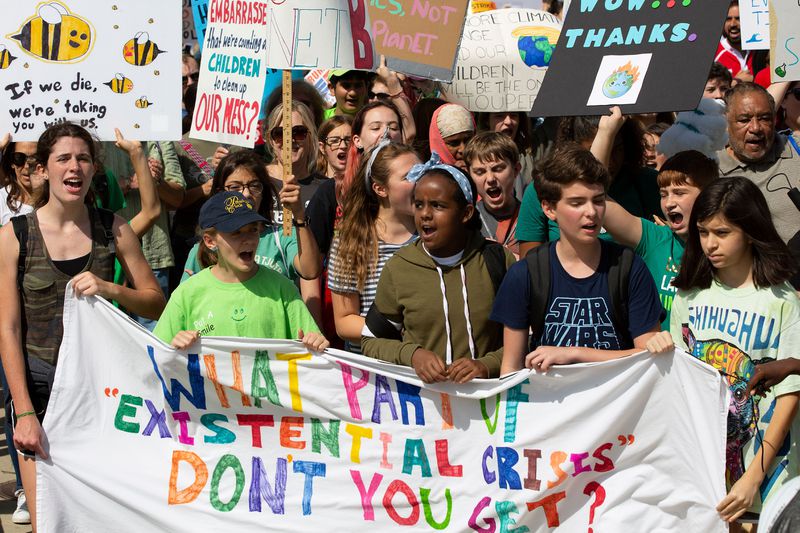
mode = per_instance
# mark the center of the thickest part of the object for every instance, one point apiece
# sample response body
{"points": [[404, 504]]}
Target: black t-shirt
{"points": [[322, 215], [308, 187]]}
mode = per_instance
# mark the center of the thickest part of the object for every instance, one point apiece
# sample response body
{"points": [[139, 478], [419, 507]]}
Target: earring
{"points": [[214, 249]]}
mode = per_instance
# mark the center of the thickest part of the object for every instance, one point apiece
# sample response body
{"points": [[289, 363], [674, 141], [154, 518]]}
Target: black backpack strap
{"points": [[107, 221], [619, 274], [380, 326], [494, 256], [20, 224], [538, 262]]}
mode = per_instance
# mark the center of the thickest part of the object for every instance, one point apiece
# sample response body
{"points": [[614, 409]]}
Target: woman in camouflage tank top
{"points": [[67, 240]]}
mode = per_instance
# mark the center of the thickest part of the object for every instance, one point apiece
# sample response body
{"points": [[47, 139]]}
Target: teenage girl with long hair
{"points": [[372, 122], [378, 220], [735, 310]]}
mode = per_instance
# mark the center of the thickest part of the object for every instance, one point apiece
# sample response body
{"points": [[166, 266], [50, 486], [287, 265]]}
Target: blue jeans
{"points": [[162, 276]]}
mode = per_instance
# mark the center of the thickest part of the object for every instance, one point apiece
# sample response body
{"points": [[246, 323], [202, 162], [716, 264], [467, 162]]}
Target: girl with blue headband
{"points": [[445, 334]]}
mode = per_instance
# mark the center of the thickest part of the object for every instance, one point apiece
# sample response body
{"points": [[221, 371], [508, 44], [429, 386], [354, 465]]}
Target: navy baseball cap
{"points": [[227, 211]]}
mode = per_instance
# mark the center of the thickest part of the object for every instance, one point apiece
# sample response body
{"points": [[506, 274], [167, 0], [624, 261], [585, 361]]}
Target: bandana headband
{"points": [[435, 163]]}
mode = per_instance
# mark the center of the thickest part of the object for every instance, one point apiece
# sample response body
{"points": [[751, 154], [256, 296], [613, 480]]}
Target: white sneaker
{"points": [[21, 514]]}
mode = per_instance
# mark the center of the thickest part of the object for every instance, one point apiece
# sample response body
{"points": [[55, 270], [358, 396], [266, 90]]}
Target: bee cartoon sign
{"points": [[92, 64], [643, 55]]}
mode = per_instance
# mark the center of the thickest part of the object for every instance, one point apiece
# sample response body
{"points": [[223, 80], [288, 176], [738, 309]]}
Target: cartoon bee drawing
{"points": [[140, 50], [5, 58], [55, 35], [120, 84], [143, 103]]}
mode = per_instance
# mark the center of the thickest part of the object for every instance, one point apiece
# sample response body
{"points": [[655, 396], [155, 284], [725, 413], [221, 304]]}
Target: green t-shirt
{"points": [[731, 329], [267, 306], [637, 193], [661, 251], [275, 251]]}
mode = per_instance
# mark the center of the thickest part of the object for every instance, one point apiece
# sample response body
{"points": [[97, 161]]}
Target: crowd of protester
{"points": [[462, 245]]}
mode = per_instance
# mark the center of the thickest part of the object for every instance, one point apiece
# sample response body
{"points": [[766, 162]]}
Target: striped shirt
{"points": [[339, 282]]}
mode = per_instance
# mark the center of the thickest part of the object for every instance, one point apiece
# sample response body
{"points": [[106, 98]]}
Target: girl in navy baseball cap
{"points": [[236, 297]]}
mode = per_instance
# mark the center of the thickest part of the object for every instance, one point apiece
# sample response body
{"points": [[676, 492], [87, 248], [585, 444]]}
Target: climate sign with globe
{"points": [[536, 44], [502, 60]]}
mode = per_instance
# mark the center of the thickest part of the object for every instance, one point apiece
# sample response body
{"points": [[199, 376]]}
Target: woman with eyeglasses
{"points": [[334, 140], [305, 148], [22, 183], [293, 256]]}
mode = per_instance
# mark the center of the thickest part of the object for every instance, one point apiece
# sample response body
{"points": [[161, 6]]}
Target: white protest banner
{"points": [[246, 435], [502, 60], [754, 18], [115, 64], [232, 73], [784, 40]]}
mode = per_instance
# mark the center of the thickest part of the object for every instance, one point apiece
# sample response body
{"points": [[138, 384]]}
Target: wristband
{"points": [[26, 413], [397, 94]]}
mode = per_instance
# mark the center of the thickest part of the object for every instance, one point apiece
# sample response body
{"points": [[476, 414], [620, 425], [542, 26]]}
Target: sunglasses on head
{"points": [[20, 160], [194, 77], [299, 134]]}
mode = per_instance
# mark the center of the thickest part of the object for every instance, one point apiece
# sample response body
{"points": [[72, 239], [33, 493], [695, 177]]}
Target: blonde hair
{"points": [[311, 142]]}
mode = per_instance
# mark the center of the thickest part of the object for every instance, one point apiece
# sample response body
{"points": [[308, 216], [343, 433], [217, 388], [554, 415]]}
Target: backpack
{"points": [[20, 224], [620, 262]]}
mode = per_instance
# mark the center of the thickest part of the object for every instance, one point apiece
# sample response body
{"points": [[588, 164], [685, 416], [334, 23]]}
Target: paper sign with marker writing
{"points": [[679, 36], [785, 40], [502, 60], [189, 32], [319, 34], [754, 18], [200, 15], [99, 66], [232, 73], [245, 434]]}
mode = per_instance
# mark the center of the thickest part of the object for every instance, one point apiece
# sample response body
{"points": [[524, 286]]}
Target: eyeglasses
{"points": [[795, 92], [194, 76], [299, 134], [255, 187], [379, 96], [18, 159], [336, 142]]}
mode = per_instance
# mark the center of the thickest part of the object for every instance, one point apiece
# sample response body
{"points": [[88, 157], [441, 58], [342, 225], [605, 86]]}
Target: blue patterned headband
{"points": [[435, 163]]}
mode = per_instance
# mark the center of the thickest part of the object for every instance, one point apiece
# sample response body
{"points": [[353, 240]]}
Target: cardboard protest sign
{"points": [[648, 55], [241, 435], [754, 20], [200, 15], [418, 37], [189, 33], [232, 74], [502, 60], [785, 40], [115, 66]]}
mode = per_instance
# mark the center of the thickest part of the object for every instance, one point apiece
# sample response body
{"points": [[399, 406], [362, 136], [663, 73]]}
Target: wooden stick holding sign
{"points": [[286, 150]]}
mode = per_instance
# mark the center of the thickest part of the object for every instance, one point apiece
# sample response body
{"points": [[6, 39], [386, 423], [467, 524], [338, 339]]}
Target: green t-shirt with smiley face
{"points": [[267, 306]]}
